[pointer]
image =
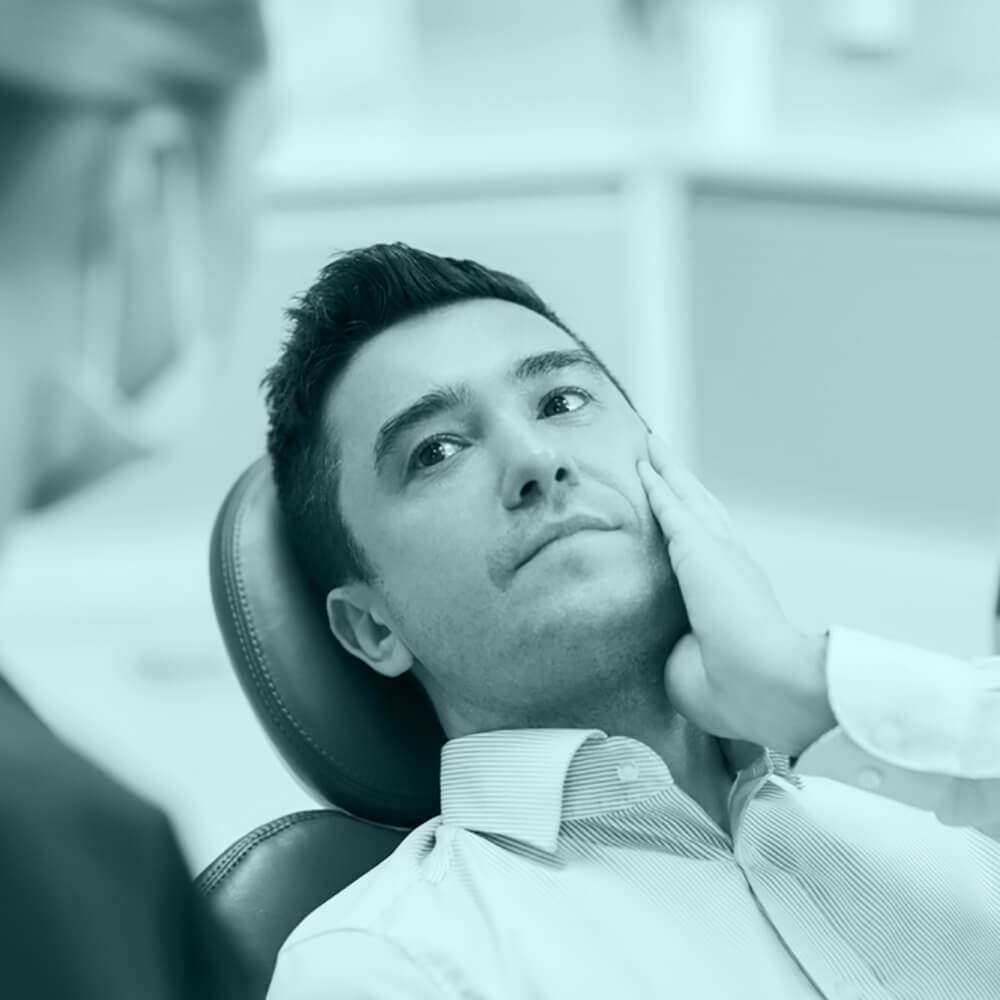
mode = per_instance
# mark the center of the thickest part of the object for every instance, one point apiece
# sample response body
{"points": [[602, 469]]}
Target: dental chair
{"points": [[366, 747]]}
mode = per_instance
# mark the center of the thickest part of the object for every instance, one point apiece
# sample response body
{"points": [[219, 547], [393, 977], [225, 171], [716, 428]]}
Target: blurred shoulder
{"points": [[50, 788]]}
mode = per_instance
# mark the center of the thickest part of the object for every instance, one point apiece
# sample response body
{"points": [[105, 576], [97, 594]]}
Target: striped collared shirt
{"points": [[567, 863]]}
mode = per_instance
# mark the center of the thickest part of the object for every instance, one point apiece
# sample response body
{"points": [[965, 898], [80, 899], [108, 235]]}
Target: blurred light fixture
{"points": [[341, 56], [732, 53], [869, 28]]}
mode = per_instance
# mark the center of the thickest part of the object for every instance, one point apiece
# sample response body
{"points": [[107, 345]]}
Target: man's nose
{"points": [[538, 472]]}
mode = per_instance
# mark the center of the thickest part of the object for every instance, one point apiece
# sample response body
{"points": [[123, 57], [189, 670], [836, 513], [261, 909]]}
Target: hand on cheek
{"points": [[745, 672]]}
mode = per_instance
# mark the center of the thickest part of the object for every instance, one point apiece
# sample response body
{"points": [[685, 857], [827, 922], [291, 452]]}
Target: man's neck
{"points": [[695, 759], [697, 764]]}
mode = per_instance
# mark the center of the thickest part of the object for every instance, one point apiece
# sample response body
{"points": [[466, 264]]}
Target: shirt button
{"points": [[628, 772], [869, 779]]}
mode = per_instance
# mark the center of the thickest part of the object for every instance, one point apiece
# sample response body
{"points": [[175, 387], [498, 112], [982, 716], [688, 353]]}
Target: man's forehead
{"points": [[461, 339], [467, 342]]}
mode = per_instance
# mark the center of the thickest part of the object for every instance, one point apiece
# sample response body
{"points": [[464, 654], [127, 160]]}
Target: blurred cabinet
{"points": [[847, 356]]}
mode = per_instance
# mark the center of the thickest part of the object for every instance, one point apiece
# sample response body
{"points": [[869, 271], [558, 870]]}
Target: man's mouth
{"points": [[563, 529]]}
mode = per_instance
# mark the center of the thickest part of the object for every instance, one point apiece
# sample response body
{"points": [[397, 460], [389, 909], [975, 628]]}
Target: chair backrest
{"points": [[365, 745], [270, 879]]}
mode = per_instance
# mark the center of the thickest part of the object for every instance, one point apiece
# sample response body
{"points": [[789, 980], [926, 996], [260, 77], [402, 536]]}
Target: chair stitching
{"points": [[231, 859], [250, 641], [232, 565], [259, 667]]}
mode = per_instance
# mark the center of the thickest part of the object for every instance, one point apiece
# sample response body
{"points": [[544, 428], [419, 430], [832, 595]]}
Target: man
{"points": [[96, 901], [482, 504]]}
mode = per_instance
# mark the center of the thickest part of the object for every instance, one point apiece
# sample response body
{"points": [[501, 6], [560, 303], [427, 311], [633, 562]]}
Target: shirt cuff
{"points": [[915, 709], [918, 727]]}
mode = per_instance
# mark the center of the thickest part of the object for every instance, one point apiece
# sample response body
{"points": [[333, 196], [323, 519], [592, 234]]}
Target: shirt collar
{"points": [[523, 783], [509, 782]]}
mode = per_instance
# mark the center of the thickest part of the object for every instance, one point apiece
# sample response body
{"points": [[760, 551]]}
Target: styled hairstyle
{"points": [[357, 295]]}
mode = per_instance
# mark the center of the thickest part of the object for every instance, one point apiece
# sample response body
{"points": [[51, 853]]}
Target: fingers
{"points": [[688, 488], [673, 516]]}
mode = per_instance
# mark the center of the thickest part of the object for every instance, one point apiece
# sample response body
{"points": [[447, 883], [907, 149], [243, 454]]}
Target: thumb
{"points": [[685, 681]]}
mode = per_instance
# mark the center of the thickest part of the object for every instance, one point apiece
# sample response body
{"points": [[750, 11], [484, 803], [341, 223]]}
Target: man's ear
{"points": [[359, 623]]}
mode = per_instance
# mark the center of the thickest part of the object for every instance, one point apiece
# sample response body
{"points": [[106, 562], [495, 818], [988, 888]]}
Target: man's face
{"points": [[452, 514]]}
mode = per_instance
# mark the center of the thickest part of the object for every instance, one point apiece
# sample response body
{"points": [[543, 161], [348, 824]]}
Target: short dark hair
{"points": [[357, 295]]}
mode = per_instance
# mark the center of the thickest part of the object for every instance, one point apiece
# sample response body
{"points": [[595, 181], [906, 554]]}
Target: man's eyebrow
{"points": [[445, 399]]}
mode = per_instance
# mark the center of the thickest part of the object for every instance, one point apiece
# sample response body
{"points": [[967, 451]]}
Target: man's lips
{"points": [[562, 529]]}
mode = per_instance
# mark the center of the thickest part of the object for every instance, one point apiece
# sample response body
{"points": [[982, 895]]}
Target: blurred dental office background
{"points": [[778, 220]]}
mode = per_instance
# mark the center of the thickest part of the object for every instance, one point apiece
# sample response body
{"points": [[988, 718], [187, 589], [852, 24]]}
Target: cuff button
{"points": [[869, 779]]}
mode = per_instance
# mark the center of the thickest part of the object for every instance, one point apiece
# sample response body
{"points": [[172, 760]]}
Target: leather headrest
{"points": [[360, 741]]}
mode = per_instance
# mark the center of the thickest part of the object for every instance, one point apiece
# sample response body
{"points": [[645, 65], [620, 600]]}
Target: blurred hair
{"points": [[127, 133], [357, 295], [123, 53]]}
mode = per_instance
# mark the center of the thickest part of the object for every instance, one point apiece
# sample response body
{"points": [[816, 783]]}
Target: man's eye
{"points": [[424, 456], [431, 452], [566, 393]]}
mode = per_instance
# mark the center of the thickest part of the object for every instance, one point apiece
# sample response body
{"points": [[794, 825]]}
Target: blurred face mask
{"points": [[145, 361]]}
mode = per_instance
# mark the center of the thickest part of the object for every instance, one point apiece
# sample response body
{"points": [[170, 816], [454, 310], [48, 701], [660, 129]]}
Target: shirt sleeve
{"points": [[352, 964], [918, 727]]}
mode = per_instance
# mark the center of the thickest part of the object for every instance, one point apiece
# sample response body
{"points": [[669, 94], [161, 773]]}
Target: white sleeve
{"points": [[918, 727]]}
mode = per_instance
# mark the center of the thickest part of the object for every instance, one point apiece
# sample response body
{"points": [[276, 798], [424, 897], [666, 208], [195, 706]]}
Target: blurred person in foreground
{"points": [[480, 503], [126, 138]]}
